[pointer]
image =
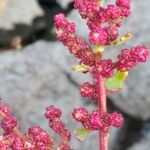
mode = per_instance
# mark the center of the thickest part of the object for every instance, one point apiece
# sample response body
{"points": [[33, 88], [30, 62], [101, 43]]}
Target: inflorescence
{"points": [[103, 23], [36, 138]]}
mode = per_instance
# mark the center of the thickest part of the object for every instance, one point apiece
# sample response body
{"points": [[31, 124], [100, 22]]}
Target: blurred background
{"points": [[35, 71]]}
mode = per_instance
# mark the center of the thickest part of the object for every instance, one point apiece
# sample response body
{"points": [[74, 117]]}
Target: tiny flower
{"points": [[18, 143], [116, 119], [126, 61], [104, 68], [4, 109], [71, 27], [87, 90], [114, 11], [40, 135], [112, 33], [125, 3], [79, 114], [60, 20], [96, 121], [4, 143], [86, 123], [141, 53], [87, 8], [100, 121], [98, 36], [52, 112], [9, 123], [57, 126], [124, 6]]}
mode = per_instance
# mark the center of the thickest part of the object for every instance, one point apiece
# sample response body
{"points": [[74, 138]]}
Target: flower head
{"points": [[116, 119], [79, 114], [52, 112]]}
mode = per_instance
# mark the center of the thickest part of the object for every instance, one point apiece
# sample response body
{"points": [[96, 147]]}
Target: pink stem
{"points": [[102, 105]]}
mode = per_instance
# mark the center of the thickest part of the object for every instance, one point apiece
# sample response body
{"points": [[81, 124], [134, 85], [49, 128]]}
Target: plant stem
{"points": [[102, 106]]}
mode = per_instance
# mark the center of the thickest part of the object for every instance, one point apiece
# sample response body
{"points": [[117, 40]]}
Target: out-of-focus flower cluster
{"points": [[36, 138]]}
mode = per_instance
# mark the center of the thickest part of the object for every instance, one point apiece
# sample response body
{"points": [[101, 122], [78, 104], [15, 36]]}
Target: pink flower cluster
{"points": [[98, 36], [96, 15], [36, 138], [53, 114], [103, 36], [129, 58], [89, 90], [96, 120], [91, 9], [76, 45]]}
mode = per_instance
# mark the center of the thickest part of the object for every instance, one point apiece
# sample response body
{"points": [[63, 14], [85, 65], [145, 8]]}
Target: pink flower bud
{"points": [[9, 123], [116, 119], [52, 112], [79, 114]]}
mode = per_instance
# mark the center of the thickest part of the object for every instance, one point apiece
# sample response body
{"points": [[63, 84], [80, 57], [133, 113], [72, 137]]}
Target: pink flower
{"points": [[116, 119], [124, 3], [52, 112], [87, 90], [114, 11], [79, 114], [98, 36], [141, 53], [4, 109], [60, 20], [39, 135], [129, 58], [103, 68], [18, 143], [9, 123]]}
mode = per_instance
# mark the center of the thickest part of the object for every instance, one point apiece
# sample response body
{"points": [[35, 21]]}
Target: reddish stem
{"points": [[102, 106]]}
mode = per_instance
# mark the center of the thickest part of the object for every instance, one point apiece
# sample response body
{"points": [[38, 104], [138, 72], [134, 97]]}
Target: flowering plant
{"points": [[108, 77]]}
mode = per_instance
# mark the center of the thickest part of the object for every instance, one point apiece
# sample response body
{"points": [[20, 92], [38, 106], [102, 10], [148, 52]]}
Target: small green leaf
{"points": [[81, 68], [114, 84], [121, 75], [98, 48], [82, 134], [123, 39]]}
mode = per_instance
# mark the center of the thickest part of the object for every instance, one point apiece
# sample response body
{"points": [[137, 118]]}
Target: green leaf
{"points": [[82, 134], [114, 84], [121, 75], [123, 39], [98, 48], [81, 68]]}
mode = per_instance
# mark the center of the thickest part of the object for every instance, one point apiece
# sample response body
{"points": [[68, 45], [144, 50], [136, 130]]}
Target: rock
{"points": [[64, 3], [19, 12], [32, 79], [21, 19], [143, 144], [134, 99]]}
